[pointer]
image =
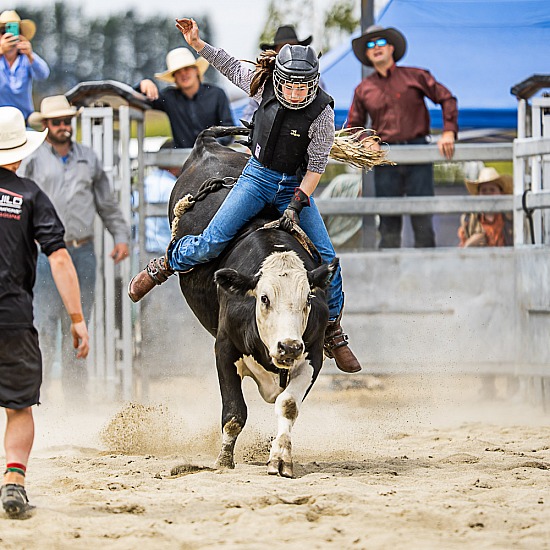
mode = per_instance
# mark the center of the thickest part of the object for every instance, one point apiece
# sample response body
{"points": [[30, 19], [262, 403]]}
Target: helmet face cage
{"points": [[296, 74]]}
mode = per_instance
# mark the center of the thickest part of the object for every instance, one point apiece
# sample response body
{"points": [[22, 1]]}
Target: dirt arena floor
{"points": [[409, 462]]}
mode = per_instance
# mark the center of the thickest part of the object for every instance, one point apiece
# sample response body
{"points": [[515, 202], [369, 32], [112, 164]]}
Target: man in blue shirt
{"points": [[191, 106], [19, 64]]}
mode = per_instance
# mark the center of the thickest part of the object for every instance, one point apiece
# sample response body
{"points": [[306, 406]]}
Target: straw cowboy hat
{"points": [[393, 36], [16, 142], [55, 106], [490, 175], [26, 27], [286, 35], [178, 59]]}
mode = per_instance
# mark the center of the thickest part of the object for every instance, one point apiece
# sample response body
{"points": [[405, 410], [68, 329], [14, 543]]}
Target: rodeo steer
{"points": [[262, 299]]}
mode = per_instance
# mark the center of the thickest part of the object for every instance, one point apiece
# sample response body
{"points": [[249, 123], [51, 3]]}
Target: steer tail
{"points": [[222, 131]]}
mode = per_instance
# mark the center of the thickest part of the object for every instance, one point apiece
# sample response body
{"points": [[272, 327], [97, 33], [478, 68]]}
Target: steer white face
{"points": [[283, 303]]}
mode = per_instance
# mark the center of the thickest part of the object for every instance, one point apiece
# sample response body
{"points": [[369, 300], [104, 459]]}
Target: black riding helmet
{"points": [[296, 67]]}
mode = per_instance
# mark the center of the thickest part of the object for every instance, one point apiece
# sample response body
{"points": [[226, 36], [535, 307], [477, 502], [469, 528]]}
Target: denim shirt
{"points": [[16, 81]]}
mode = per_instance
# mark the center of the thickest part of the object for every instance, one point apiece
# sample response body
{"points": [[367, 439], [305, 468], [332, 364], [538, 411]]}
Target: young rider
{"points": [[293, 126]]}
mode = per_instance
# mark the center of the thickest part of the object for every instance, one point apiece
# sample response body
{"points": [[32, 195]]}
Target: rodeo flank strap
{"points": [[211, 185]]}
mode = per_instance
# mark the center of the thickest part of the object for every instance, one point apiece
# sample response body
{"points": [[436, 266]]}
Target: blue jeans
{"points": [[50, 313], [412, 180], [256, 187]]}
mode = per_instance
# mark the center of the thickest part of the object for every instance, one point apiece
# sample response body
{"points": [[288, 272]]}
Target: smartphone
{"points": [[13, 28]]}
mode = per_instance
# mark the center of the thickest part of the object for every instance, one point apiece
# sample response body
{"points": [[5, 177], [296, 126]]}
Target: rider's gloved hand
{"points": [[292, 213]]}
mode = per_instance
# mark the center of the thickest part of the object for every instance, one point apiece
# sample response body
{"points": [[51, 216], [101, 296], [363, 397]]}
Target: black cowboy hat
{"points": [[286, 35], [393, 36]]}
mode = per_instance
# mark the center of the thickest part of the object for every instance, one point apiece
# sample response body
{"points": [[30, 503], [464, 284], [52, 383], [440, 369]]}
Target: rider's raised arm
{"points": [[235, 70]]}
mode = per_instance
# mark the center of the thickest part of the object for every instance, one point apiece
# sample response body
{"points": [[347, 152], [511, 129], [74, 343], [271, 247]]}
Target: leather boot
{"points": [[336, 347], [156, 272]]}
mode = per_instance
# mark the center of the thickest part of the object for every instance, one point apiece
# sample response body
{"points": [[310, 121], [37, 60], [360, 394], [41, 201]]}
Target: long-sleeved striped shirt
{"points": [[321, 131]]}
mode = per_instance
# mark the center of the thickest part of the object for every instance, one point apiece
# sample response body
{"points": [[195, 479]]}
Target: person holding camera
{"points": [[19, 64]]}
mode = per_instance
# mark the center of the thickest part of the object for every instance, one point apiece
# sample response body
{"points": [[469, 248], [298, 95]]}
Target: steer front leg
{"points": [[231, 431], [234, 410], [287, 407]]}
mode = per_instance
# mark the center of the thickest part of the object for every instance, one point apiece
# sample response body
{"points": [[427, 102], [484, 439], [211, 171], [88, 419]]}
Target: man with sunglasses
{"points": [[393, 98], [73, 178]]}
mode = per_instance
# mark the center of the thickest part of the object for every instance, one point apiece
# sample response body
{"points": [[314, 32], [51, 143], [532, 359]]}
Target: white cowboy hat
{"points": [[178, 59], [16, 142], [490, 175], [26, 27], [55, 106]]}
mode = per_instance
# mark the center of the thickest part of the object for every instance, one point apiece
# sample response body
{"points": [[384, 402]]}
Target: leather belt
{"points": [[416, 141], [77, 243]]}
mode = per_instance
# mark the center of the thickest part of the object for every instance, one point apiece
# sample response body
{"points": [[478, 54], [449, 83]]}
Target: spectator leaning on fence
{"points": [[488, 228], [19, 64], [73, 178], [394, 99], [191, 105], [26, 216]]}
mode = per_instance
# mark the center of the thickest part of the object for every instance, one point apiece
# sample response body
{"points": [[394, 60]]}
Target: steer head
{"points": [[283, 289]]}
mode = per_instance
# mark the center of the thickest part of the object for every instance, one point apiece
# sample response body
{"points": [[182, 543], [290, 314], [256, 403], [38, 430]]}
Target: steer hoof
{"points": [[224, 462], [279, 467], [287, 469], [273, 467]]}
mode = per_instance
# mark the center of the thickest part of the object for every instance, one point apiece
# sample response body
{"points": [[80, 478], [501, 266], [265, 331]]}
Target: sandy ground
{"points": [[416, 463]]}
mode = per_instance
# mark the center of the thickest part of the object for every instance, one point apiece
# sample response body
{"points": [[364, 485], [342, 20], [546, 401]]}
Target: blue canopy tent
{"points": [[477, 48]]}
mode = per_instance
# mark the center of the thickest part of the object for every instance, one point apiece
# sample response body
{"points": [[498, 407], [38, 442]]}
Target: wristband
{"points": [[301, 197], [76, 318]]}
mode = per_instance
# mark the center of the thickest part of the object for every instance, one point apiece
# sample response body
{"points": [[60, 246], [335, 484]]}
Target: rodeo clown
{"points": [[293, 128]]}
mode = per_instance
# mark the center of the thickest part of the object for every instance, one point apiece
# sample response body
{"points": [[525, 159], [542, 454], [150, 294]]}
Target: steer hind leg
{"points": [[234, 412]]}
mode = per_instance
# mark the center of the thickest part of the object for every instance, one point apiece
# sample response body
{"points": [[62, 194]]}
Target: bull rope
{"points": [[300, 235], [211, 185]]}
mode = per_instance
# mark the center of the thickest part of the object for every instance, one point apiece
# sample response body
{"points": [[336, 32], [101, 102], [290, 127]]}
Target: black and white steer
{"points": [[263, 300]]}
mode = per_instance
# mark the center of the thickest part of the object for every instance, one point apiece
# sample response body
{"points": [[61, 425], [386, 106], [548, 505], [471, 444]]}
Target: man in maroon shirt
{"points": [[394, 99]]}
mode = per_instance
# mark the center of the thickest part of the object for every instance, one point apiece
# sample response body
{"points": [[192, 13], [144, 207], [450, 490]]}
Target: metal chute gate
{"points": [[108, 111], [123, 362]]}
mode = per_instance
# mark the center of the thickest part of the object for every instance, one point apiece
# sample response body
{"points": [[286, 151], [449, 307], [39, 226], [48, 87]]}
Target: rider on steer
{"points": [[293, 133]]}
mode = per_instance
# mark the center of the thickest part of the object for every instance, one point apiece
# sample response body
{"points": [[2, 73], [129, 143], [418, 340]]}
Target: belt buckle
{"points": [[76, 243]]}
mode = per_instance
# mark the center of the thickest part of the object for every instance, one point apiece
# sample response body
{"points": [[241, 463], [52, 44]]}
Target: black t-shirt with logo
{"points": [[27, 217]]}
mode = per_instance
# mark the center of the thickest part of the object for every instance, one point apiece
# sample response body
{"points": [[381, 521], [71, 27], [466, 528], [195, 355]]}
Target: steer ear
{"points": [[321, 276], [234, 282]]}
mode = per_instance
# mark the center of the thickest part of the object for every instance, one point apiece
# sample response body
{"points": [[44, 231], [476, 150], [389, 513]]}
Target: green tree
{"points": [[340, 22], [79, 48]]}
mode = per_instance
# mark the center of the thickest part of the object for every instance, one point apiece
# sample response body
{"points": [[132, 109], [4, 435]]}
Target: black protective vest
{"points": [[280, 135]]}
